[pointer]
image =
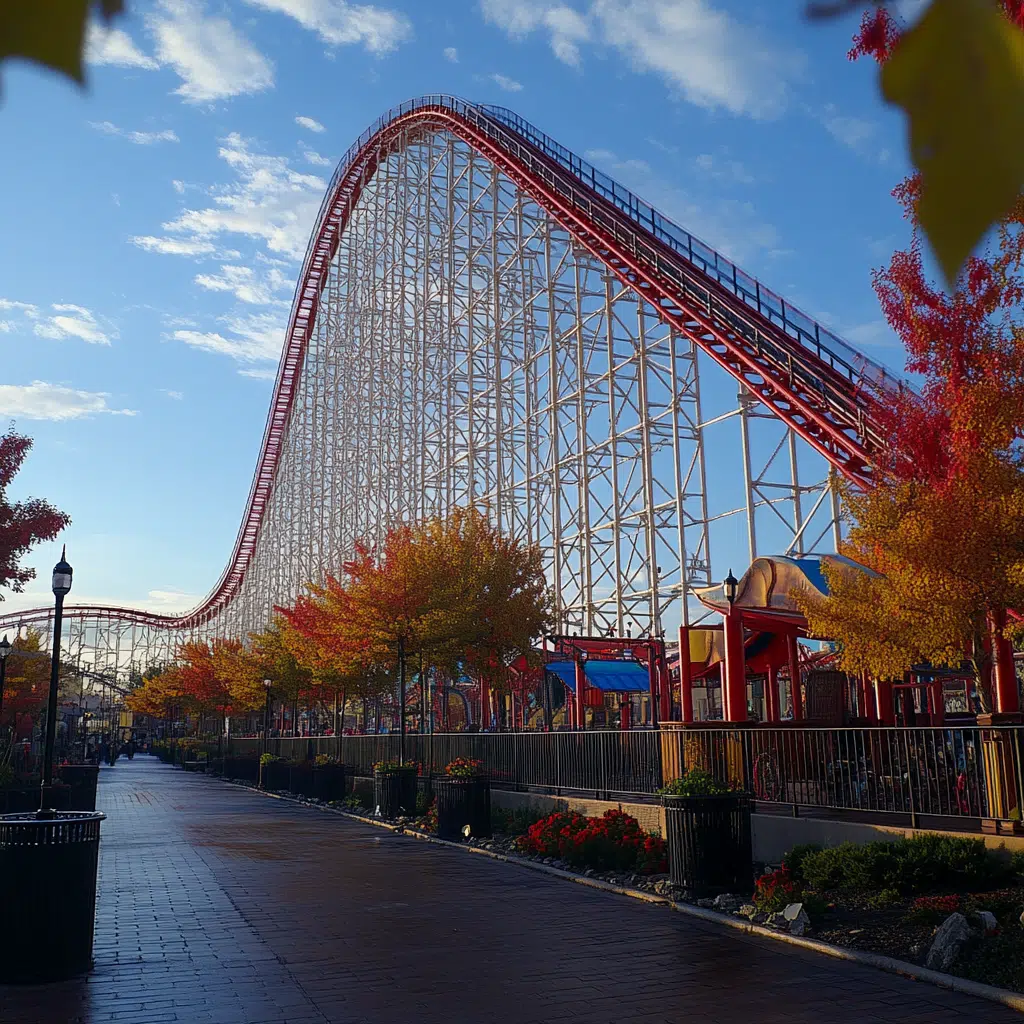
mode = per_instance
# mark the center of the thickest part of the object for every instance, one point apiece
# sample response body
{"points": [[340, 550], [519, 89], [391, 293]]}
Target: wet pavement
{"points": [[218, 904]]}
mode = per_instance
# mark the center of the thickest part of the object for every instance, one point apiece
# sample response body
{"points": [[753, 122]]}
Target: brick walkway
{"points": [[220, 905]]}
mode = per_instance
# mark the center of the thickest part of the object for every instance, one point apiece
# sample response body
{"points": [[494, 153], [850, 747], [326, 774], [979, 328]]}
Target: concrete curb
{"points": [[1014, 1000]]}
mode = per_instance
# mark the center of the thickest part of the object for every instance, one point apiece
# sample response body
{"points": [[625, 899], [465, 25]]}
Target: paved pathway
{"points": [[221, 905]]}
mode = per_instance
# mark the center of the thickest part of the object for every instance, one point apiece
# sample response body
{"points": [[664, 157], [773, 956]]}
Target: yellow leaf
{"points": [[50, 32], [959, 75]]}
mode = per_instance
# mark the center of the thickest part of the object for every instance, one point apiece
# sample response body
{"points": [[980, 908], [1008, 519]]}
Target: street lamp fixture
{"points": [[729, 585], [61, 586]]}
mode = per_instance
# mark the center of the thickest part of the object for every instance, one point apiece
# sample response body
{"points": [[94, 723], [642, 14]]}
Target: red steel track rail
{"points": [[824, 390]]}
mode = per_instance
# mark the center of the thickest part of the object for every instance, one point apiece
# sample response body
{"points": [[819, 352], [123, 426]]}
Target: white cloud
{"points": [[139, 138], [174, 246], [450, 53], [508, 84], [179, 186], [114, 46], [259, 374], [704, 54], [42, 401], [308, 122], [268, 201], [243, 283], [213, 60], [339, 23], [723, 169], [176, 395], [32, 312], [72, 322], [567, 27], [251, 339], [852, 132], [313, 157], [876, 333]]}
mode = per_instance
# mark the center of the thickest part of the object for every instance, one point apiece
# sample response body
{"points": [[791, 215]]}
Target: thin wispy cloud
{"points": [[138, 138], [42, 401], [506, 83], [338, 23]]}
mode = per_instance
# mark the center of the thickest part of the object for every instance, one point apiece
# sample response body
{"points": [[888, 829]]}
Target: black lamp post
{"points": [[266, 717], [61, 585], [729, 585], [401, 699], [5, 649]]}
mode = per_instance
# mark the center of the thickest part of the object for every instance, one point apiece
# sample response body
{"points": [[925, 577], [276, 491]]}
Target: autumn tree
{"points": [[943, 524], [26, 680], [22, 524]]}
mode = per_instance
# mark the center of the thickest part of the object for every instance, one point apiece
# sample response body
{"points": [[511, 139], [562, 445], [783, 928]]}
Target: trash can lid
{"points": [[51, 817]]}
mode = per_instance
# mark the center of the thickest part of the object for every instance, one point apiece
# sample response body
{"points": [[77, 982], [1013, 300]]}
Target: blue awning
{"points": [[609, 676]]}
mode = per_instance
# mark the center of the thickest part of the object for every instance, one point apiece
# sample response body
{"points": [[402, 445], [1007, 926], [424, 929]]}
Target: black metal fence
{"points": [[964, 773]]}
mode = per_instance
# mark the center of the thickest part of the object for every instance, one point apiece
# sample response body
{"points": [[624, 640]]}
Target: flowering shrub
{"points": [[429, 820], [323, 760], [393, 767], [551, 836], [268, 758], [774, 891], [932, 909], [613, 842], [464, 768]]}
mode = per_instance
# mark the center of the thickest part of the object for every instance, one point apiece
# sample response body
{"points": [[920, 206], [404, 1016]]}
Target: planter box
{"points": [[709, 847], [462, 802], [82, 779], [394, 794], [300, 779], [329, 782], [275, 775]]}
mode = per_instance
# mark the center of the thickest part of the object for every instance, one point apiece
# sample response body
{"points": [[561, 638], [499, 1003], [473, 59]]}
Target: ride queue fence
{"points": [[958, 775]]}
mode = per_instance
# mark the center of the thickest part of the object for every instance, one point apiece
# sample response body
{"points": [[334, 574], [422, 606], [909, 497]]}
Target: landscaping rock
{"points": [[988, 922], [706, 904], [778, 922], [949, 940], [728, 902], [797, 918]]}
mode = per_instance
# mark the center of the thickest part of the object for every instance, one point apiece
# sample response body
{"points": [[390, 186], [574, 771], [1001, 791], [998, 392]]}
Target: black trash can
{"points": [[82, 780], [50, 901], [394, 792], [709, 849], [329, 782], [462, 802]]}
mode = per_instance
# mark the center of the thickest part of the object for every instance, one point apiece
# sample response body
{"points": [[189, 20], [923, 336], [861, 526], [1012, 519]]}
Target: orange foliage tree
{"points": [[453, 591], [944, 523]]}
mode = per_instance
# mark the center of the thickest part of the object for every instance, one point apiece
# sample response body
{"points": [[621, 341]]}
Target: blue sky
{"points": [[153, 224]]}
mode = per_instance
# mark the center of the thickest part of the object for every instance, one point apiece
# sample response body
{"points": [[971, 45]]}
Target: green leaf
{"points": [[959, 75], [49, 32]]}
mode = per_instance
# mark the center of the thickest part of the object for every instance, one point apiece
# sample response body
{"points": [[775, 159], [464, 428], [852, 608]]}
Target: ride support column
{"points": [[685, 675], [734, 677]]}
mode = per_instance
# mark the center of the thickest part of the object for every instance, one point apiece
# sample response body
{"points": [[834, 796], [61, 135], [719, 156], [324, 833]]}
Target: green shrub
{"points": [[515, 821], [885, 899], [268, 758], [695, 782], [794, 860], [1017, 863], [923, 864]]}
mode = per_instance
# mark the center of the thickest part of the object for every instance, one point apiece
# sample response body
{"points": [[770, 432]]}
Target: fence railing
{"points": [[965, 773]]}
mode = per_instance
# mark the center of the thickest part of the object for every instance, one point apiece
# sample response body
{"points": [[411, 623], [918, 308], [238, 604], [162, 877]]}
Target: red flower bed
{"points": [[614, 842], [775, 891]]}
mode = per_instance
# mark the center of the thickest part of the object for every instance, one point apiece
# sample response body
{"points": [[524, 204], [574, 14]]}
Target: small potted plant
{"points": [[707, 826], [273, 772], [463, 797], [328, 779], [394, 788]]}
